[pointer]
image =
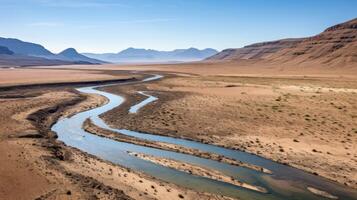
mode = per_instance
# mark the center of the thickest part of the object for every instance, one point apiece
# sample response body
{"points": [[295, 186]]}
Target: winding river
{"points": [[285, 182]]}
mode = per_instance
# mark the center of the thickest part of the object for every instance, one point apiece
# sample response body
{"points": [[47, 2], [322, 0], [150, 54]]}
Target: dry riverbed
{"points": [[306, 122], [43, 168]]}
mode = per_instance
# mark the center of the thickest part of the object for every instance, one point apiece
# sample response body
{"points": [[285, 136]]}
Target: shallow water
{"points": [[285, 183], [135, 108]]}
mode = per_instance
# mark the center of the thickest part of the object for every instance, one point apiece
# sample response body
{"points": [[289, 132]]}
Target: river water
{"points": [[285, 182]]}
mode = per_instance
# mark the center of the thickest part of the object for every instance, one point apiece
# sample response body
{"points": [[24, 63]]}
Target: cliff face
{"points": [[255, 51], [337, 45]]}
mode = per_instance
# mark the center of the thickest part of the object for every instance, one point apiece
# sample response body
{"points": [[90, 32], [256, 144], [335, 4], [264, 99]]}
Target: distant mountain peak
{"points": [[69, 51], [71, 54], [24, 48]]}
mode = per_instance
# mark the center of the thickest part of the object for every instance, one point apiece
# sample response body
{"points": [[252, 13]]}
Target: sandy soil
{"points": [[23, 76], [197, 170], [306, 122], [22, 155], [135, 184], [242, 68], [321, 193], [37, 166], [299, 116]]}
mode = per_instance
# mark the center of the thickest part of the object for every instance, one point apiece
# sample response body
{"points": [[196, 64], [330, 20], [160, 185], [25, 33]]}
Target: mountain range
{"points": [[20, 53], [130, 55], [336, 46]]}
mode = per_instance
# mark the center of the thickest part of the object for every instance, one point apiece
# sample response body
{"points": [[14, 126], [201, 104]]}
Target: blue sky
{"points": [[113, 25]]}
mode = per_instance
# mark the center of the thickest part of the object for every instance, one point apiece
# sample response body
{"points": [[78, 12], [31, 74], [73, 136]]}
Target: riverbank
{"points": [[93, 129], [197, 170], [43, 168], [229, 111], [29, 152], [306, 122]]}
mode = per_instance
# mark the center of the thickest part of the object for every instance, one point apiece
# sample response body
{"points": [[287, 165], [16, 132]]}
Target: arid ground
{"points": [[302, 117], [36, 166], [299, 117], [308, 123]]}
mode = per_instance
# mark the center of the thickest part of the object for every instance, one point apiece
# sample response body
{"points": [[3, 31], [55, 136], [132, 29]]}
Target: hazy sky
{"points": [[112, 25]]}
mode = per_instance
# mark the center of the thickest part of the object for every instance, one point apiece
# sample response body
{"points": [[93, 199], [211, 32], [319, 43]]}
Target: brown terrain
{"points": [[299, 110], [197, 170], [36, 166], [309, 123], [293, 101], [27, 76], [336, 46], [91, 128]]}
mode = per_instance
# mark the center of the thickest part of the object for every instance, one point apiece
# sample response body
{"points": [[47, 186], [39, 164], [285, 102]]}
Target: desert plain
{"points": [[298, 117]]}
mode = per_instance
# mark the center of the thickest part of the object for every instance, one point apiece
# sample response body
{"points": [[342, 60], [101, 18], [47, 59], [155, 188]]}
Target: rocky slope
{"points": [[336, 46], [255, 51]]}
